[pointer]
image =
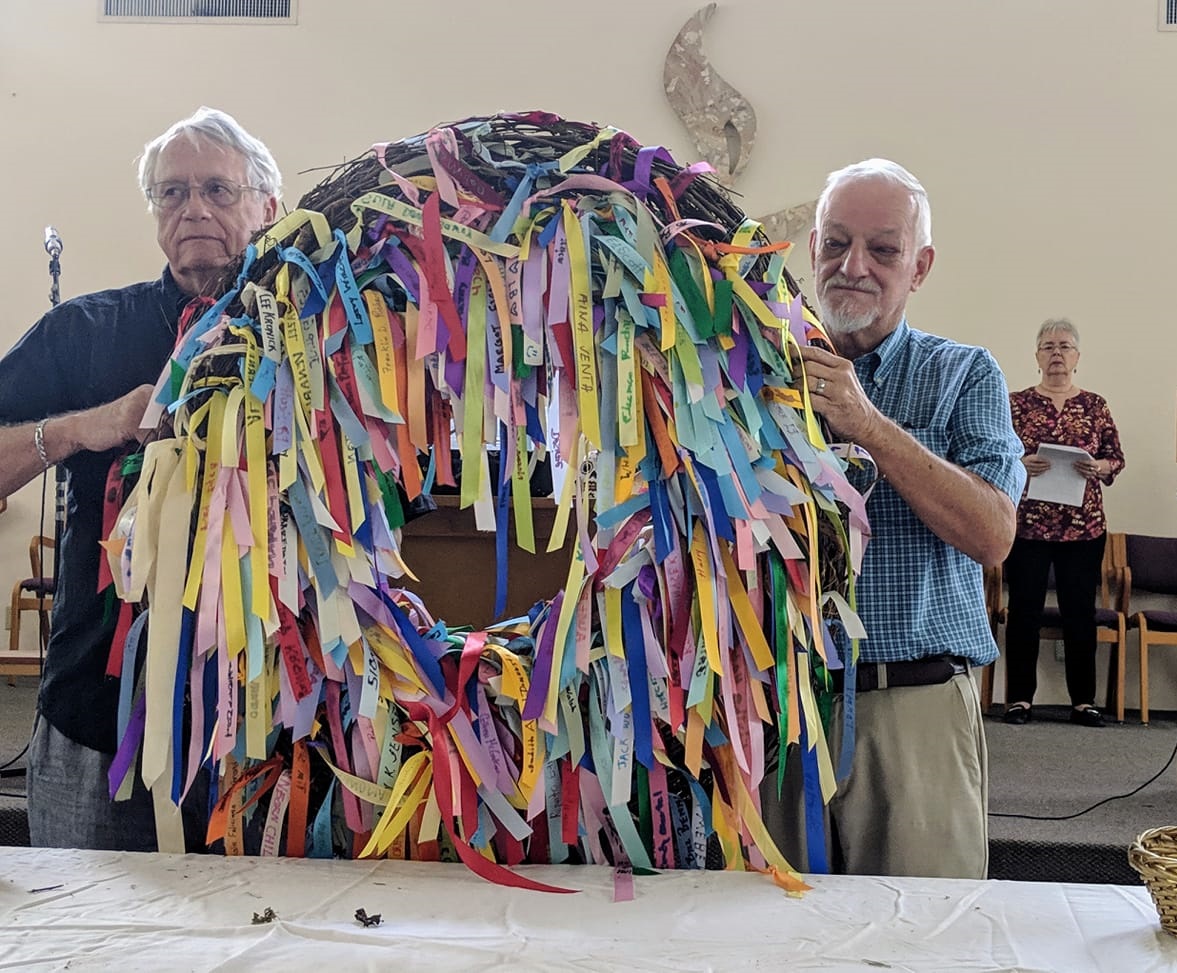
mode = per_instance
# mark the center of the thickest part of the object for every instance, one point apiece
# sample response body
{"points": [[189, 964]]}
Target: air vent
{"points": [[199, 11], [1166, 14]]}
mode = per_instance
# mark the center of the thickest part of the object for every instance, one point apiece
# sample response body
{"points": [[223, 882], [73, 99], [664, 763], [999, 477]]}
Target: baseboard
{"points": [[1055, 861]]}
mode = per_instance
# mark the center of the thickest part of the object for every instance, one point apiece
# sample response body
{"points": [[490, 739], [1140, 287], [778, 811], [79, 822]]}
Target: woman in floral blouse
{"points": [[1070, 538]]}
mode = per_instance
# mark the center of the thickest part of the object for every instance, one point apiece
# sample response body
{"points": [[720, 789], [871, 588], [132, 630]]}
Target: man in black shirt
{"points": [[73, 391]]}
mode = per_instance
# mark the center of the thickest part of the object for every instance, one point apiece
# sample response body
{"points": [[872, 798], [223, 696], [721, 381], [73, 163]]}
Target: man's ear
{"points": [[813, 248], [923, 267], [270, 211]]}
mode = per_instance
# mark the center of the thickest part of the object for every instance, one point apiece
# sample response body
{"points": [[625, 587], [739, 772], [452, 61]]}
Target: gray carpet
{"points": [[1048, 768], [1051, 767], [17, 704], [1044, 777]]}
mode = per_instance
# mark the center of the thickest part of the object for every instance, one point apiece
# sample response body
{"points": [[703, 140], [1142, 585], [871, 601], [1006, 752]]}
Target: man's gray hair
{"points": [[215, 126], [893, 172], [1057, 324]]}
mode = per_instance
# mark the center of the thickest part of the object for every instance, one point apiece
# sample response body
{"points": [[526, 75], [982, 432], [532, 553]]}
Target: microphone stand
{"points": [[53, 247]]}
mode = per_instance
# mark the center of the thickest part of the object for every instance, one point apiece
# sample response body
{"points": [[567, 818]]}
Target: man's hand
{"points": [[115, 423], [837, 395], [96, 430], [954, 504]]}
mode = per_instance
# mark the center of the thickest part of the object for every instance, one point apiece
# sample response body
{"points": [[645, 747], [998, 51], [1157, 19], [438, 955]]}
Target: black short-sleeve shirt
{"points": [[86, 352]]}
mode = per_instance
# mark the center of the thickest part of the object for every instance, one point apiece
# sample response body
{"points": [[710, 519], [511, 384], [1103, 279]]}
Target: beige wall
{"points": [[1041, 128]]}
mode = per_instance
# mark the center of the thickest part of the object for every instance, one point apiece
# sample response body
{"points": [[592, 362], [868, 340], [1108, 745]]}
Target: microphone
{"points": [[53, 245]]}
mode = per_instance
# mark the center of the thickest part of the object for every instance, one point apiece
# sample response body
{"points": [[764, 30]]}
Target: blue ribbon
{"points": [[320, 843], [183, 663], [127, 680], [318, 551], [506, 221], [661, 520], [504, 492], [815, 828], [430, 668], [680, 816], [349, 293], [639, 686]]}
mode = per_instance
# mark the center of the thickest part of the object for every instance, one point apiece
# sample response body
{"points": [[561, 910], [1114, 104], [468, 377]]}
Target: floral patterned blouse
{"points": [[1084, 421]]}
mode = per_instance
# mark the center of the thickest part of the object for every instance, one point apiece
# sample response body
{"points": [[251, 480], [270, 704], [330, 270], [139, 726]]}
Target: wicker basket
{"points": [[1154, 856]]}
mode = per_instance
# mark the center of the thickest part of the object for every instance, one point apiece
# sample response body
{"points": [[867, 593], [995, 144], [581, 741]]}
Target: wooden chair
{"points": [[992, 583], [1152, 567], [32, 594], [1111, 621]]}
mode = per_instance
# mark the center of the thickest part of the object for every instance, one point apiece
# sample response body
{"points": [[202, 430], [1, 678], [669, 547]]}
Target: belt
{"points": [[932, 671]]}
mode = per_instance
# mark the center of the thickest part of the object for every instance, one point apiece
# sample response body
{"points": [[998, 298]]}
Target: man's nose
{"points": [[854, 261], [195, 207]]}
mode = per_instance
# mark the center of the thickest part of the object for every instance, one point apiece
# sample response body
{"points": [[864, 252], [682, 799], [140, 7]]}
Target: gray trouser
{"points": [[917, 797], [70, 805]]}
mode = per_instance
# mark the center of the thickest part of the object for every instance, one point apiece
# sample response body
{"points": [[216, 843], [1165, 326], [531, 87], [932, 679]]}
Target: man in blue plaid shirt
{"points": [[934, 415]]}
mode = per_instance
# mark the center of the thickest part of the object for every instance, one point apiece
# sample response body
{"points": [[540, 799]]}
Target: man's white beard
{"points": [[838, 322]]}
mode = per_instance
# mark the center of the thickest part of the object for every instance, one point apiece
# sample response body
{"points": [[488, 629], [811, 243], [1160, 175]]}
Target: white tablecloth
{"points": [[104, 910]]}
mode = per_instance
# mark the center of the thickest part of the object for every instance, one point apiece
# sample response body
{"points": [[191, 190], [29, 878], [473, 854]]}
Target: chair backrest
{"points": [[1113, 585], [40, 555], [1113, 592], [1153, 562], [1111, 582]]}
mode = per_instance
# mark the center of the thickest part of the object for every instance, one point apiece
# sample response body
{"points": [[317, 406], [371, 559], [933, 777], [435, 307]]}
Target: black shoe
{"points": [[1088, 716], [1017, 715]]}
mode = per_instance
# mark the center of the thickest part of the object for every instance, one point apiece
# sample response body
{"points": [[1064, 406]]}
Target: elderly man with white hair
{"points": [[934, 416], [72, 393]]}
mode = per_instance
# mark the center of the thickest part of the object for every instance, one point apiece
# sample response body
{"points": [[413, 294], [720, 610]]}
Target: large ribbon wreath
{"points": [[557, 292]]}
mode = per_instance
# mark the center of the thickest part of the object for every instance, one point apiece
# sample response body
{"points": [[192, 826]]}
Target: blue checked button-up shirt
{"points": [[917, 595]]}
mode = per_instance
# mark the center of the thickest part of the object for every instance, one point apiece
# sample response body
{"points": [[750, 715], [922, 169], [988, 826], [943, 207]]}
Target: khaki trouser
{"points": [[917, 797]]}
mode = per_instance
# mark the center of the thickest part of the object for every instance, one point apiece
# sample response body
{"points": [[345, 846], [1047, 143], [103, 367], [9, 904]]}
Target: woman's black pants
{"points": [[1077, 567]]}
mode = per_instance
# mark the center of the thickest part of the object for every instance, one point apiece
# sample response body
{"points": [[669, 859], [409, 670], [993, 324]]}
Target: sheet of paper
{"points": [[1062, 483]]}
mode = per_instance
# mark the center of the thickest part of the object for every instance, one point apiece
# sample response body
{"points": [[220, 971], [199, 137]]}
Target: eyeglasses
{"points": [[220, 192], [1064, 347]]}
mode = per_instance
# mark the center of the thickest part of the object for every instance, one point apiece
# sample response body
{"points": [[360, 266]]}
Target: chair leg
{"points": [[43, 629], [1116, 652], [1110, 700], [1121, 651], [14, 629], [987, 686], [14, 626], [1143, 671]]}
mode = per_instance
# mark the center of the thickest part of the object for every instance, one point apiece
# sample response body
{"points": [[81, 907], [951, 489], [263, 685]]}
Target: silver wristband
{"points": [[39, 442]]}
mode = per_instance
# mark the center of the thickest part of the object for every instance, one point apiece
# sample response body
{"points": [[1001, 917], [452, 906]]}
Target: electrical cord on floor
{"points": [[5, 772], [1106, 800], [4, 767]]}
